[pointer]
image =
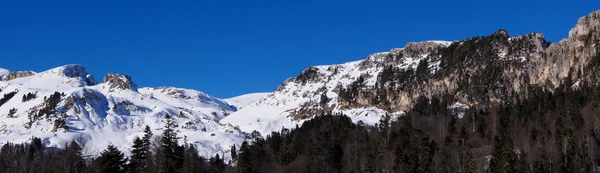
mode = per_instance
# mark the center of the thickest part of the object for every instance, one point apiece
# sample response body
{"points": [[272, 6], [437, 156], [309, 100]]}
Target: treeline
{"points": [[164, 155], [555, 131]]}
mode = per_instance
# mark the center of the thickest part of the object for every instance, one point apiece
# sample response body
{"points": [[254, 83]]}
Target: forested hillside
{"points": [[550, 132]]}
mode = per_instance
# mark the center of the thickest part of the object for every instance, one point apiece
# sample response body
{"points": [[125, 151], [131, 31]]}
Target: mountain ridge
{"points": [[475, 72], [478, 71], [66, 103]]}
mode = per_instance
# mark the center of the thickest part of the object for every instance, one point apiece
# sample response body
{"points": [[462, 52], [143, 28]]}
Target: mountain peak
{"points": [[501, 33], [587, 27], [73, 71], [119, 81]]}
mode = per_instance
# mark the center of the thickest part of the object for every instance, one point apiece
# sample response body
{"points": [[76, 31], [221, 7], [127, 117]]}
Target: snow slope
{"points": [[275, 111], [97, 115], [246, 99], [3, 72], [116, 111]]}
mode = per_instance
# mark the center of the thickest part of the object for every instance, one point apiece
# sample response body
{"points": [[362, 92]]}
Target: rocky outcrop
{"points": [[18, 74], [483, 70], [587, 28], [119, 82]]}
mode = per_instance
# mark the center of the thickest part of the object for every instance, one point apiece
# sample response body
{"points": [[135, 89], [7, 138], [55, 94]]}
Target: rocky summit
{"points": [[119, 81]]}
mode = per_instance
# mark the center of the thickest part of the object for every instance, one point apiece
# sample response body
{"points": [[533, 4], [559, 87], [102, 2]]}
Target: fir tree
{"points": [[111, 160], [72, 158], [172, 152], [216, 164], [140, 152], [192, 162], [244, 158], [469, 164], [234, 154]]}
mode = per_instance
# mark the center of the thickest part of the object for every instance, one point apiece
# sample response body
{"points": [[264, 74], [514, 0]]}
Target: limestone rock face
{"points": [[587, 27], [119, 82], [483, 70], [18, 74]]}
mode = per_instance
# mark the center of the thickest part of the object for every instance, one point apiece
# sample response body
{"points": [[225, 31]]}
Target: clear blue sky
{"points": [[227, 48]]}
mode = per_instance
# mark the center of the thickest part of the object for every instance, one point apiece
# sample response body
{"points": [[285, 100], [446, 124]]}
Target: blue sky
{"points": [[227, 48]]}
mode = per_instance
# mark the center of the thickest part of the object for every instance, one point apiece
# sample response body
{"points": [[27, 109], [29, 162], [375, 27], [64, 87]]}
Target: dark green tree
{"points": [[192, 161], [140, 152], [469, 164], [73, 159], [504, 159], [172, 152], [541, 163], [234, 154], [244, 158], [216, 164], [111, 160]]}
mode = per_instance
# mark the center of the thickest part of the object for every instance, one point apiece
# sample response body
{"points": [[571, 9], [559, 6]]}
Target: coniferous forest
{"points": [[555, 131]]}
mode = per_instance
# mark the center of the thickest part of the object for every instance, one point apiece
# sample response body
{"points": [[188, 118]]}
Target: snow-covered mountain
{"points": [[246, 99], [66, 103], [479, 71], [315, 91]]}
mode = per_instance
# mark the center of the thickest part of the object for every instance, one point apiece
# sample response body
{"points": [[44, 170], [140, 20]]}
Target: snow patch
{"points": [[458, 109], [246, 99], [3, 73], [442, 42]]}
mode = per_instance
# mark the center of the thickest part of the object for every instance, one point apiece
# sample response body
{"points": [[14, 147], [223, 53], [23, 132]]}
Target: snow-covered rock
{"points": [[119, 81], [17, 74], [478, 71], [71, 105], [298, 99]]}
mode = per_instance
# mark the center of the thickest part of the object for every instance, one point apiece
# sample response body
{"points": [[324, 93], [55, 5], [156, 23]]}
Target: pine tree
{"points": [[140, 152], [504, 159], [72, 158], [452, 126], [147, 136], [541, 164], [216, 164], [244, 158], [172, 152], [464, 136], [111, 160], [192, 162], [234, 154], [469, 163]]}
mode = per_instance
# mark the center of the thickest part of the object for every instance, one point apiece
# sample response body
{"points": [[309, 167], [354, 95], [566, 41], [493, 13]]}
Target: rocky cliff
{"points": [[119, 81], [18, 74], [479, 71]]}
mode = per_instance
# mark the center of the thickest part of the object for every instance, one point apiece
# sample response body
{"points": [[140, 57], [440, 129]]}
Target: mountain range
{"points": [[67, 103]]}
